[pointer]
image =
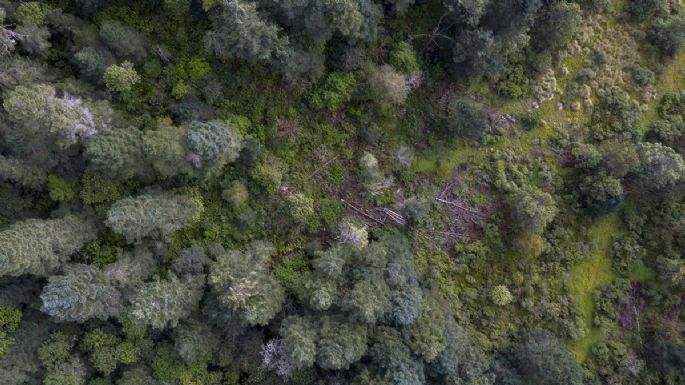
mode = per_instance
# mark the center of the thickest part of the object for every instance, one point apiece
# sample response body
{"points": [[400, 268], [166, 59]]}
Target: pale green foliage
{"points": [[428, 332], [501, 296], [213, 144], [117, 153], [81, 293], [244, 283], [163, 303], [236, 194], [369, 298], [121, 78], [166, 149], [660, 166], [39, 247], [30, 13], [299, 339], [386, 84], [156, 215], [239, 32], [354, 234], [69, 118], [20, 172], [340, 343], [301, 207], [375, 183]]}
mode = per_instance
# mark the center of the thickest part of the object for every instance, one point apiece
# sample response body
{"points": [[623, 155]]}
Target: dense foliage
{"points": [[349, 192]]}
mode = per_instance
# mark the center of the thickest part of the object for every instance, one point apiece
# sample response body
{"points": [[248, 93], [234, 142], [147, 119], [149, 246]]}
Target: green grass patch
{"points": [[588, 276]]}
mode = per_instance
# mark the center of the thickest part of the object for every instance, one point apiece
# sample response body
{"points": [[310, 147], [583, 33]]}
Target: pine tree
{"points": [[164, 303], [117, 153], [212, 145], [245, 285], [157, 215], [81, 293], [39, 247]]}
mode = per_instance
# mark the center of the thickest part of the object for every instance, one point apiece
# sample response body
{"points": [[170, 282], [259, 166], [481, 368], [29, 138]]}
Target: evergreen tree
{"points": [[245, 285], [212, 145], [164, 303], [39, 247], [155, 215], [117, 153], [81, 293]]}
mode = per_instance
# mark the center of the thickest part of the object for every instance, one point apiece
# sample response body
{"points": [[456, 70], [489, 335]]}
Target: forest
{"points": [[342, 192]]}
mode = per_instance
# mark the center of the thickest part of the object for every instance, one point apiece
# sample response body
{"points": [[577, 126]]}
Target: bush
{"points": [[121, 78], [335, 91]]}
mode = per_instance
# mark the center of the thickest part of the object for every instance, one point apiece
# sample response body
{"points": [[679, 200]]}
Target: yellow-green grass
{"points": [[671, 79], [589, 275]]}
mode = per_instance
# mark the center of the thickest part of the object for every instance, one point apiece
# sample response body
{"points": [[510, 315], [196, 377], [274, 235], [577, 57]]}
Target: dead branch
{"points": [[360, 211]]}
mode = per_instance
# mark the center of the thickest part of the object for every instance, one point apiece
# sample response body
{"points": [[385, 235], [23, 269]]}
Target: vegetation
{"points": [[353, 192]]}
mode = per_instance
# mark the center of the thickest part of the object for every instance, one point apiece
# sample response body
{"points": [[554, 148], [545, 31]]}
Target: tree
{"points": [[240, 32], [22, 173], [340, 343], [156, 215], [108, 351], [245, 285], [375, 183], [530, 209], [427, 335], [164, 303], [81, 293], [668, 35], [467, 119], [600, 193], [642, 10], [121, 78], [39, 247], [369, 298], [396, 364], [166, 148], [300, 335], [660, 166], [212, 145], [117, 153], [501, 296], [542, 359], [195, 342], [556, 26], [40, 111], [126, 42]]}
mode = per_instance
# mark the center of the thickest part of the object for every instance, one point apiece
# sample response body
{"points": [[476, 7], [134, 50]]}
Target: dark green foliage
{"points": [[556, 26], [117, 152], [642, 10], [82, 293], [530, 210], [22, 173], [616, 116], [600, 193], [541, 358], [124, 41], [668, 35], [467, 119], [672, 106], [40, 247]]}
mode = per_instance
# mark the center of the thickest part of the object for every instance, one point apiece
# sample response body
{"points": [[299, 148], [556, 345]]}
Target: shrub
{"points": [[121, 78]]}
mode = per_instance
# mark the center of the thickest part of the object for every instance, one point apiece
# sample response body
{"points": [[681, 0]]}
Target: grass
{"points": [[589, 275]]}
